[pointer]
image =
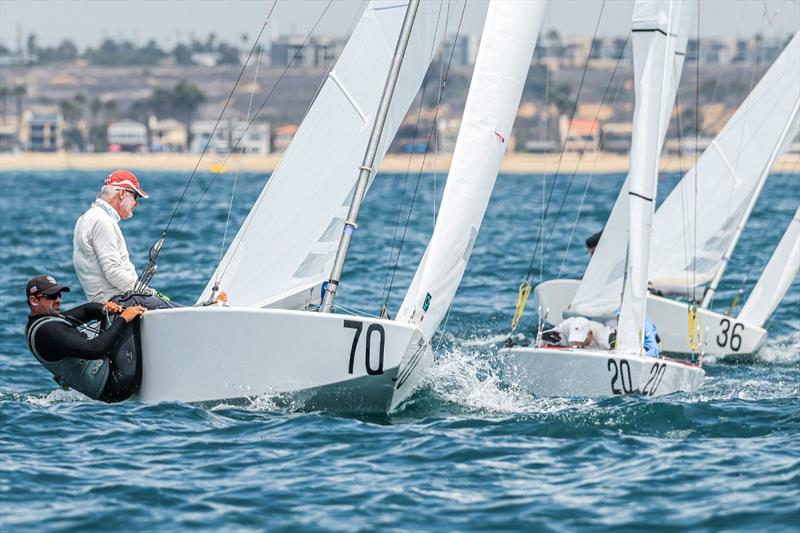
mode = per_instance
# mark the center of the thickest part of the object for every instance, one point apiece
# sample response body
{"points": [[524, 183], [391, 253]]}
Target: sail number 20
{"points": [[373, 329], [734, 340]]}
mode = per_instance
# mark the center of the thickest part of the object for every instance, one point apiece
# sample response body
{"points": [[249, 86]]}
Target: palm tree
{"points": [[4, 99]]}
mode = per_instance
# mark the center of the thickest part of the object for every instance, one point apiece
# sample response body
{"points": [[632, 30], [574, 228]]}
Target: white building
{"points": [[167, 135], [127, 136], [201, 133], [256, 140]]}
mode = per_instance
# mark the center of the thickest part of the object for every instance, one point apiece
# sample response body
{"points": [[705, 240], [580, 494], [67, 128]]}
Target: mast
{"points": [[712, 286], [366, 168], [654, 30]]}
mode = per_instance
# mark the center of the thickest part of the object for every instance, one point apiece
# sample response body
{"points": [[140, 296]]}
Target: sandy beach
{"points": [[515, 163]]}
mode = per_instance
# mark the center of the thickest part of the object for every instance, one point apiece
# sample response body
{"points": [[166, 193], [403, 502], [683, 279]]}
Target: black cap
{"points": [[44, 285], [592, 241]]}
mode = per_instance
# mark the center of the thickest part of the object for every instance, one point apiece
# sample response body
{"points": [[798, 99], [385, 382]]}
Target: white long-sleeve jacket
{"points": [[100, 254]]}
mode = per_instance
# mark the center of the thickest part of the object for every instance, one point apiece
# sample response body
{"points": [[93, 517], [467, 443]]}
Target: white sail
{"points": [[600, 289], [729, 176], [776, 278], [289, 239], [654, 35], [509, 36]]}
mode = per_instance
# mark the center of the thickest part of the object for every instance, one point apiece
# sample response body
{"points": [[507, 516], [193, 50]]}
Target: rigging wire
{"points": [[583, 151], [157, 247], [563, 147], [384, 309], [424, 157], [257, 113], [321, 84], [235, 182]]}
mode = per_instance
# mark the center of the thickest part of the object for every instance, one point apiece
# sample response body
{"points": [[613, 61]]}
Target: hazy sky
{"points": [[168, 21]]}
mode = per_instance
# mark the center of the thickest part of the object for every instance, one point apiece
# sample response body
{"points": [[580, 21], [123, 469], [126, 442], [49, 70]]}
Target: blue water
{"points": [[468, 452]]}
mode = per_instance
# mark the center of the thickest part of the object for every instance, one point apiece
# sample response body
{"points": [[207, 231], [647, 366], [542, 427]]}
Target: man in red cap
{"points": [[99, 252]]}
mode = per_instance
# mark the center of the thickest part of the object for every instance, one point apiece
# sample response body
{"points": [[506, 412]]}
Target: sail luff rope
{"points": [[424, 157]]}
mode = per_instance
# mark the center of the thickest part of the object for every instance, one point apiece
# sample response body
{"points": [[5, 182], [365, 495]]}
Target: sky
{"points": [[87, 22]]}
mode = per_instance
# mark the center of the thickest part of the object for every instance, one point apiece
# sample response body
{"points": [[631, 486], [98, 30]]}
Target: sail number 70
{"points": [[358, 326]]}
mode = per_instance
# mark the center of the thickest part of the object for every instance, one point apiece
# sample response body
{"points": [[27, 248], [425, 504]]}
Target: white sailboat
{"points": [[657, 28], [728, 179], [268, 340]]}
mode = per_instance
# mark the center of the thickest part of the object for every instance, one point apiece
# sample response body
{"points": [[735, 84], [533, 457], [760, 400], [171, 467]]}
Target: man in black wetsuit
{"points": [[106, 367]]}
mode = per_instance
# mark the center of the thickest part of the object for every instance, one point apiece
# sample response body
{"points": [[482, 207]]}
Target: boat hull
{"points": [[567, 372], [321, 361], [720, 334]]}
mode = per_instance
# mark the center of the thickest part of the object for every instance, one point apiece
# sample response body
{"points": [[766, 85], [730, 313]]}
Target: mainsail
{"points": [[509, 36], [289, 239], [654, 39], [776, 278], [600, 289], [728, 176]]}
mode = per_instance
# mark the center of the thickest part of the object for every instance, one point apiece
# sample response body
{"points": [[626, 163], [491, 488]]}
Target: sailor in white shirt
{"points": [[99, 252]]}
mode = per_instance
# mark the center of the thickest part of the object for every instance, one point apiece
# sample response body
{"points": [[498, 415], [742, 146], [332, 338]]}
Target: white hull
{"points": [[319, 360], [720, 334], [570, 372]]}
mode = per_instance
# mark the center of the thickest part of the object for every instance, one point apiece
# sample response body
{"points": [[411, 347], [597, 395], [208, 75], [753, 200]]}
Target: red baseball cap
{"points": [[124, 179]]}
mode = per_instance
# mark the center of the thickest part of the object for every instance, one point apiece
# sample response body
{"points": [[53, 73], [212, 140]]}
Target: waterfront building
{"points": [[9, 134], [282, 136], [616, 137], [43, 131], [256, 140], [202, 130], [127, 136], [295, 50], [579, 135], [167, 135]]}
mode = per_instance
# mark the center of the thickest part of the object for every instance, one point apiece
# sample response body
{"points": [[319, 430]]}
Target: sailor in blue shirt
{"points": [[650, 338]]}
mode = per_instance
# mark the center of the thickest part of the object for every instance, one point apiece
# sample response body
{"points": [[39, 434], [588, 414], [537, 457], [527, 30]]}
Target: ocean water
{"points": [[468, 452]]}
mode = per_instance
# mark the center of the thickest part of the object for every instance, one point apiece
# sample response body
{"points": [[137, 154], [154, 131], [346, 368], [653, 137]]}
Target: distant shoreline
{"points": [[514, 163]]}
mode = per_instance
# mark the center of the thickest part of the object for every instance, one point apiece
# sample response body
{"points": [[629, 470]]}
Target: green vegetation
{"points": [[124, 53]]}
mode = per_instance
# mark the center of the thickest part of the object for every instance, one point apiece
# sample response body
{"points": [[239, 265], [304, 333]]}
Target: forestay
{"points": [[509, 36], [289, 239], [601, 286], [776, 278], [728, 176]]}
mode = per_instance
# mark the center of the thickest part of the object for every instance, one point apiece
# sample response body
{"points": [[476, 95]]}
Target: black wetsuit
{"points": [[55, 340]]}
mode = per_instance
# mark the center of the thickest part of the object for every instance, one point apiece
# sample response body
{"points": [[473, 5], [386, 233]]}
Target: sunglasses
{"points": [[136, 195], [55, 296]]}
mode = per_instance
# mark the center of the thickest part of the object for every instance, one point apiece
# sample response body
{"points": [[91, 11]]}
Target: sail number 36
{"points": [[374, 331], [730, 336]]}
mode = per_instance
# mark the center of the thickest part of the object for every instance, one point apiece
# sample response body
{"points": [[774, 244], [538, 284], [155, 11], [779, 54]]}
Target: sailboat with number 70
{"points": [[278, 335]]}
